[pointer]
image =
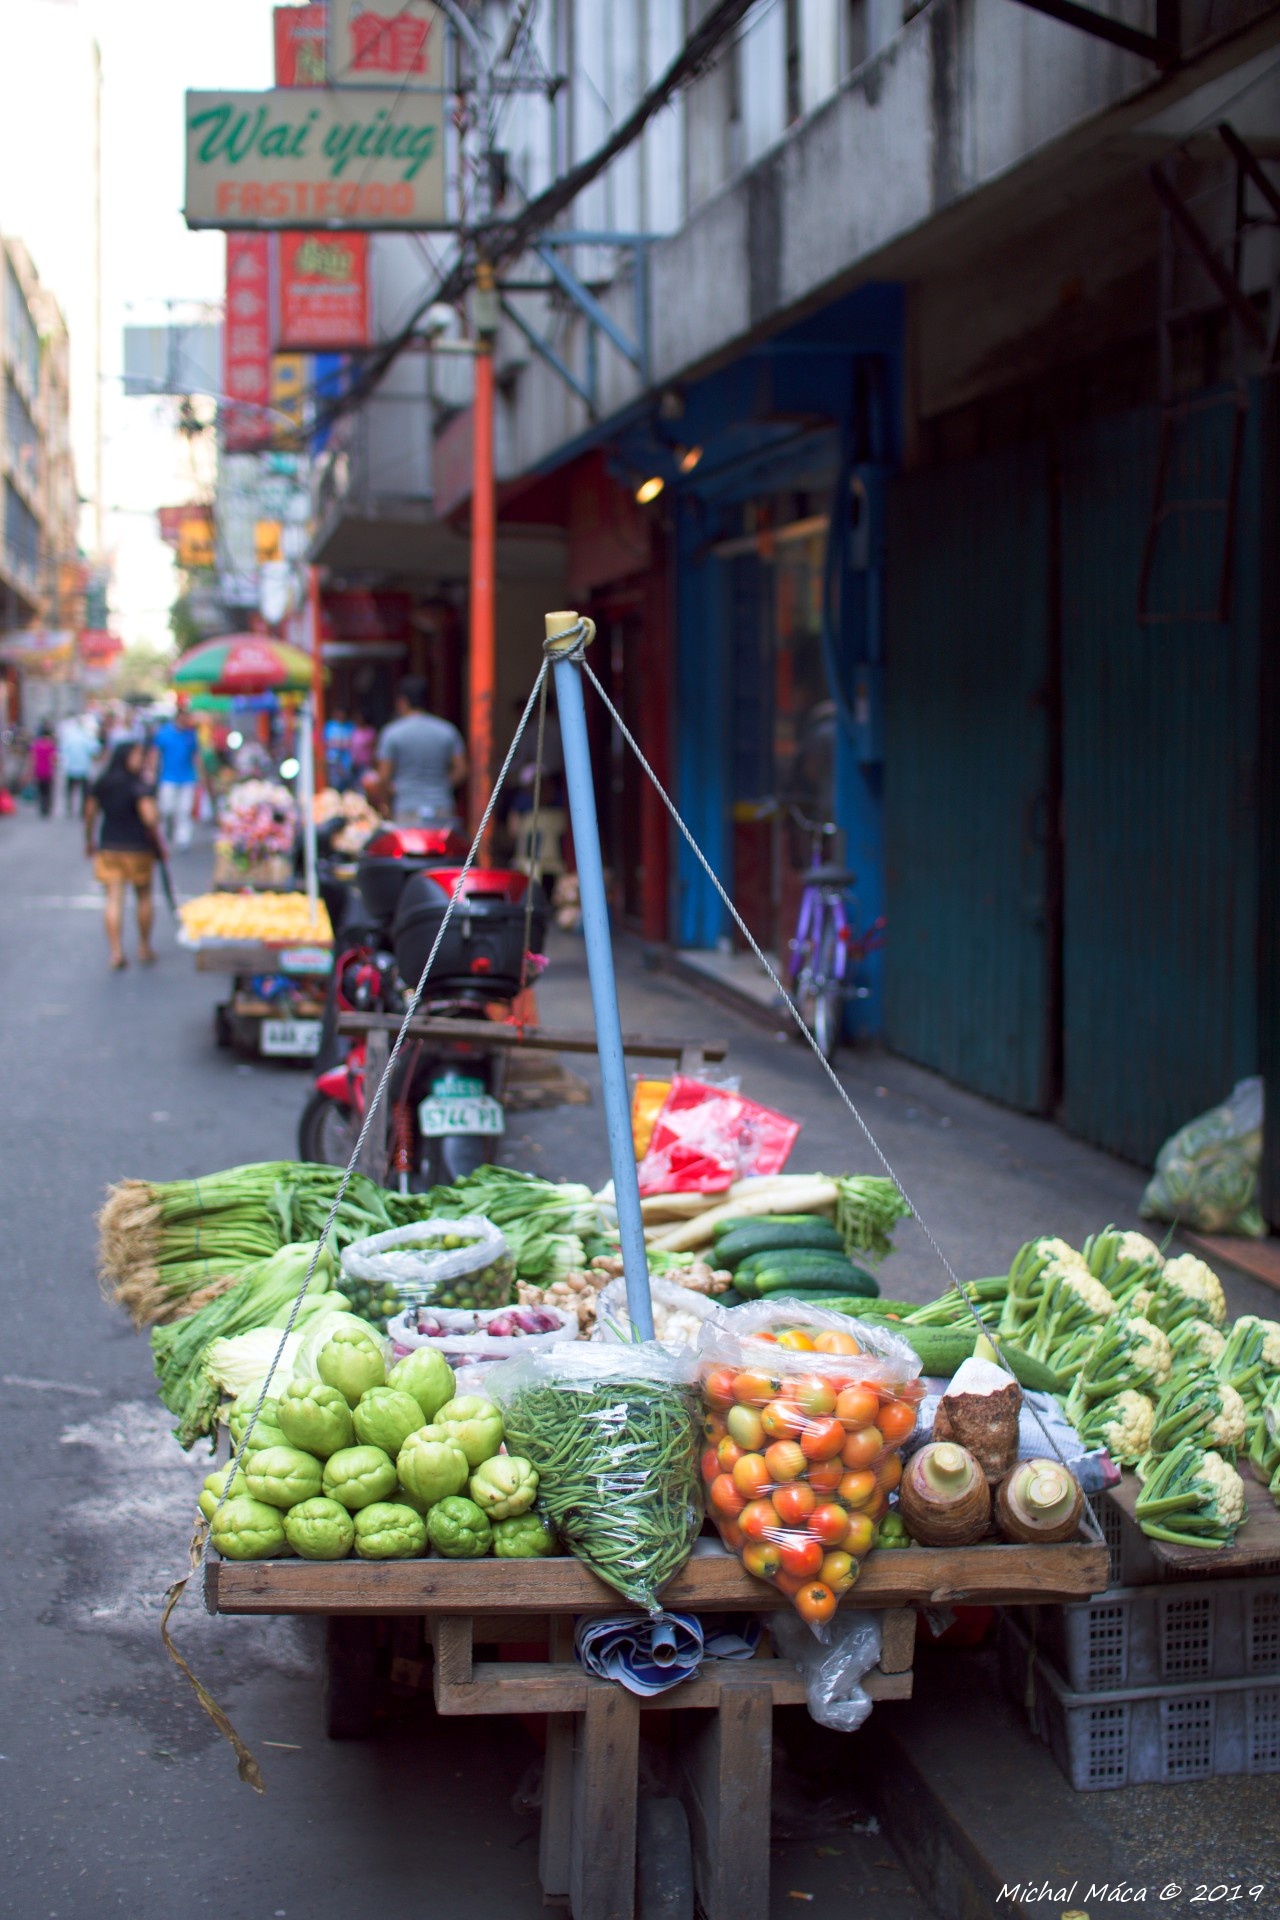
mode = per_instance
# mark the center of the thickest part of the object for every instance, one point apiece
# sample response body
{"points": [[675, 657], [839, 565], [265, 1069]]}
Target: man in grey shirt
{"points": [[421, 759]]}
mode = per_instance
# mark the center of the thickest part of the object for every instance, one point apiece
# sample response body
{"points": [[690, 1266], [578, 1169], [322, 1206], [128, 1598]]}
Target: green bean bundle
{"points": [[617, 1464]]}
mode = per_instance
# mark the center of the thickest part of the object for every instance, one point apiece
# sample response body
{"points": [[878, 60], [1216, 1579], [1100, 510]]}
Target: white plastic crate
{"points": [[1141, 1734], [1225, 1629]]}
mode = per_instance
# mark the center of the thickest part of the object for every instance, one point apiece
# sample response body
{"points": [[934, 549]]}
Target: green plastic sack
{"points": [[1206, 1174]]}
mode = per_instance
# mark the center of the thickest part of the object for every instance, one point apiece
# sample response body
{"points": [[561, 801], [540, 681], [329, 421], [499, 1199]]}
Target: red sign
{"points": [[98, 647], [323, 298], [170, 520], [358, 613], [299, 46], [380, 43], [246, 344]]}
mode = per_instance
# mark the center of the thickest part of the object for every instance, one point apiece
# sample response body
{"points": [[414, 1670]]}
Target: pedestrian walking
{"points": [[44, 762], [124, 846], [179, 751], [364, 744], [75, 751], [421, 759], [338, 737]]}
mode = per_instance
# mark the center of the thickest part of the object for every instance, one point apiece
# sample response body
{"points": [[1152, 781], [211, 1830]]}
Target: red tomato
{"points": [[713, 1428], [822, 1439], [862, 1447], [813, 1394], [825, 1475], [839, 1571], [724, 1496], [896, 1421], [878, 1508], [751, 1476], [815, 1602], [785, 1461], [731, 1533], [795, 1502], [781, 1420], [857, 1406], [762, 1559], [788, 1583], [827, 1342], [858, 1488], [710, 1465], [860, 1536], [829, 1523], [759, 1519], [889, 1473], [717, 1388], [753, 1387], [800, 1554]]}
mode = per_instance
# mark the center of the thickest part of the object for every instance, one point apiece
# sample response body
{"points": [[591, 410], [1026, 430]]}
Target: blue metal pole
{"points": [[604, 989]]}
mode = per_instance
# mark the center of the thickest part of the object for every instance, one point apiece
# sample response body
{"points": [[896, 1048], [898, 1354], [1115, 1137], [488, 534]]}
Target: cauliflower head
{"points": [[1126, 1431], [1231, 1425], [1137, 1247], [1197, 1342], [1227, 1486], [1192, 1281], [1151, 1350]]}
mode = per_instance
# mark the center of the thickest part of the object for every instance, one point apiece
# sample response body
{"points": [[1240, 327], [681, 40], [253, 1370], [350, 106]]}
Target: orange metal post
{"points": [[483, 646], [317, 676]]}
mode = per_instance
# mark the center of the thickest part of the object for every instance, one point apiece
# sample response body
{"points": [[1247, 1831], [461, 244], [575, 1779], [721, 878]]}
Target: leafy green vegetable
{"points": [[1191, 1499]]}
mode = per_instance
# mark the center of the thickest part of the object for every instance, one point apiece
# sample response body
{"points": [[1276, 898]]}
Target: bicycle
{"points": [[826, 951]]}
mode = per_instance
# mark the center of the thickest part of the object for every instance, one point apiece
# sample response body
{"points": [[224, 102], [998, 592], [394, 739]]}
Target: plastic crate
{"points": [[1137, 1735], [1164, 1635], [1133, 1564]]}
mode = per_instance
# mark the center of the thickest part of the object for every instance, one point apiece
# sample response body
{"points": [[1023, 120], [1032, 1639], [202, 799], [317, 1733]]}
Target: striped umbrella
{"points": [[244, 663]]}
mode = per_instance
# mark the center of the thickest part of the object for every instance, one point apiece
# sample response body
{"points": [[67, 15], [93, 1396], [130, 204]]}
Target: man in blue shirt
{"points": [[179, 752]]}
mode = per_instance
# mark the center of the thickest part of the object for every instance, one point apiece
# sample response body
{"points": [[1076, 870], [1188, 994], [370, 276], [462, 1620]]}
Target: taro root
{"points": [[944, 1498], [980, 1411], [1039, 1502]]}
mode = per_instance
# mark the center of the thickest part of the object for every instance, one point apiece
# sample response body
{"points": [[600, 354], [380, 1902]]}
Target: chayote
{"points": [[385, 1418], [504, 1486], [389, 1530], [357, 1476], [475, 1423], [427, 1375], [352, 1362], [320, 1529], [248, 1529], [315, 1417], [526, 1537], [214, 1483], [282, 1476], [459, 1530], [431, 1466], [267, 1431]]}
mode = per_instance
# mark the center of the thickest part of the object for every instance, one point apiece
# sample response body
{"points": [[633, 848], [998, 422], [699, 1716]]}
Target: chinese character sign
{"points": [[299, 37], [385, 43], [246, 344], [323, 300]]}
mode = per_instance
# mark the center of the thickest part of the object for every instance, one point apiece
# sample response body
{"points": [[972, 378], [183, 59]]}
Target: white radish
{"points": [[803, 1194]]}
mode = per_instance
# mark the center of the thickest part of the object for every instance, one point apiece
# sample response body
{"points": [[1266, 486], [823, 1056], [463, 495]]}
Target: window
{"points": [[855, 34], [795, 87], [21, 533], [21, 440], [20, 336]]}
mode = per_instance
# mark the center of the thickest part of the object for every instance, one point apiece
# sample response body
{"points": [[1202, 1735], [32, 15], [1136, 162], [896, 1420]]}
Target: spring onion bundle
{"points": [[613, 1435]]}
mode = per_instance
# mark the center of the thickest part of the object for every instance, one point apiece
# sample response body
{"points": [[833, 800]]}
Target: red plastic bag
{"points": [[707, 1137], [802, 1444], [6, 801]]}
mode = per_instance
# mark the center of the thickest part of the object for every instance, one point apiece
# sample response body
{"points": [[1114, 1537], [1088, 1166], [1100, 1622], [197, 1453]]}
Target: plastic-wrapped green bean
{"points": [[613, 1434]]}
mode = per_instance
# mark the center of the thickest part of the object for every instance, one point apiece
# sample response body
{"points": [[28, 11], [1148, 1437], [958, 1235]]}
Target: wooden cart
{"points": [[251, 1024], [587, 1852]]}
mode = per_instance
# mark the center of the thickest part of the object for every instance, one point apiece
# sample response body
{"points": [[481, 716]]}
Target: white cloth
{"points": [[177, 805]]}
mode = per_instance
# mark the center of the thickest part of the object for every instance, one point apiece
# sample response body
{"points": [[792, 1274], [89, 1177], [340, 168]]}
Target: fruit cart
{"points": [[722, 1719], [276, 1004]]}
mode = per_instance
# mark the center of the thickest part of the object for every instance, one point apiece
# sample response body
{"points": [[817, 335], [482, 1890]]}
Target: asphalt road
{"points": [[118, 1795]]}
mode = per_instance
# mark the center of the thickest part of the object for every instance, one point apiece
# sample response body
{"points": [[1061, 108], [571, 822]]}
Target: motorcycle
{"points": [[446, 1115]]}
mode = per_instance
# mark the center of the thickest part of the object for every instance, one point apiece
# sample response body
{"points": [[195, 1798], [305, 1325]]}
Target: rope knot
{"points": [[568, 641]]}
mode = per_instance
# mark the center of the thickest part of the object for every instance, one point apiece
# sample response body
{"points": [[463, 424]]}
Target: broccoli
{"points": [[1187, 1290], [1122, 1425], [1191, 1499]]}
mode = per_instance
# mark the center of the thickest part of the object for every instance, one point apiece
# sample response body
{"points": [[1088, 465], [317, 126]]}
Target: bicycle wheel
{"points": [[821, 996]]}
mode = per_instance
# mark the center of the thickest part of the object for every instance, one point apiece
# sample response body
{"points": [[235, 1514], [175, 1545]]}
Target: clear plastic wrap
{"points": [[833, 1670], [613, 1434], [419, 1263], [464, 1336], [804, 1416], [613, 1322]]}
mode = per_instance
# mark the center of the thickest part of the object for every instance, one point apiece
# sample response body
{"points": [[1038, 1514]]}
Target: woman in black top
{"points": [[125, 854]]}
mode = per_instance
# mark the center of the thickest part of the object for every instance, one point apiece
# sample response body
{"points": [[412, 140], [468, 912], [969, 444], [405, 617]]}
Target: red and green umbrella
{"points": [[244, 663]]}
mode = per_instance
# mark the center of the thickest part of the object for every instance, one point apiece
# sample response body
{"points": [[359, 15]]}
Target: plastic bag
{"points": [[832, 1672], [464, 1335], [707, 1137], [613, 1322], [1206, 1174], [445, 1263], [613, 1434], [801, 1443]]}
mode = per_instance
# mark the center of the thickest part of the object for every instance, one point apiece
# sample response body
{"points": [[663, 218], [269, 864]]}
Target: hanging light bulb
{"points": [[649, 489], [687, 458]]}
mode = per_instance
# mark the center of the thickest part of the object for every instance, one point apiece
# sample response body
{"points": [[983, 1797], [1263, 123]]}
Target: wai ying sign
{"points": [[303, 157]]}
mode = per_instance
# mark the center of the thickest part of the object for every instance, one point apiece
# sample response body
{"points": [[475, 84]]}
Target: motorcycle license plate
{"points": [[460, 1113], [292, 1039]]}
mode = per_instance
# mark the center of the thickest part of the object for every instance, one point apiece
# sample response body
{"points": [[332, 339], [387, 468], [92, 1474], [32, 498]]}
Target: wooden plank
{"points": [[1257, 1544], [897, 1639], [712, 1579], [561, 1687], [725, 1764], [451, 1645], [250, 956], [1260, 1259], [372, 1158], [602, 1831], [501, 1033], [557, 1780]]}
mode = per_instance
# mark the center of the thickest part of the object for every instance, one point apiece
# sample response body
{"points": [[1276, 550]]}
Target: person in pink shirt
{"points": [[44, 762]]}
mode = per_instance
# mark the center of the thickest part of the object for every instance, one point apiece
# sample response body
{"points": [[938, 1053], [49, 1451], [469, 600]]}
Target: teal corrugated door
{"points": [[1159, 790], [967, 974]]}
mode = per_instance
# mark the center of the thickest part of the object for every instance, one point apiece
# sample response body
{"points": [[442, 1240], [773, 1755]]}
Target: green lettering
{"points": [[422, 147], [371, 133], [298, 145], [275, 141], [339, 144], [224, 135]]}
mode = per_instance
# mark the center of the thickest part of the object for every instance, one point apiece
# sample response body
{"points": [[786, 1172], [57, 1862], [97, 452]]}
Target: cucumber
{"points": [[771, 1236], [797, 1257], [942, 1349], [738, 1221], [790, 1279]]}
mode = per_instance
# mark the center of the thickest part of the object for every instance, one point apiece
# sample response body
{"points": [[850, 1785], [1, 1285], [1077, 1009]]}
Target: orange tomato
{"points": [[822, 1439], [860, 1535], [889, 1473], [824, 1476], [829, 1342], [829, 1523], [759, 1519], [813, 1395], [815, 1602], [781, 1420], [795, 1340], [731, 1533], [710, 1464], [753, 1387], [788, 1583], [857, 1406], [838, 1571], [862, 1447], [800, 1554], [856, 1489], [762, 1559], [785, 1461], [724, 1496], [878, 1508], [746, 1427], [728, 1453], [896, 1421], [795, 1502], [717, 1388], [714, 1428], [751, 1476], [772, 1338]]}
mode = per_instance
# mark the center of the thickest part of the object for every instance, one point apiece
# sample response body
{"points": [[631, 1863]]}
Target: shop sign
{"points": [[299, 41], [246, 344], [196, 545], [303, 158], [379, 43], [38, 648], [323, 298], [98, 647], [266, 542], [364, 614], [169, 520]]}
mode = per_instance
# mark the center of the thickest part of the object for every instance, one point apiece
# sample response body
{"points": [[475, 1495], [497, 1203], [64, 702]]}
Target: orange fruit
{"points": [[862, 1447], [889, 1473], [781, 1420], [788, 1583], [724, 1496], [751, 1476], [728, 1453], [838, 1571], [731, 1533], [795, 1340], [795, 1502], [878, 1507], [713, 1428], [860, 1536], [758, 1520], [857, 1489], [762, 1559], [799, 1554], [710, 1464], [753, 1387], [857, 1406], [717, 1388], [829, 1523], [824, 1476], [815, 1602], [785, 1461], [813, 1395], [896, 1421], [822, 1439], [830, 1342]]}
